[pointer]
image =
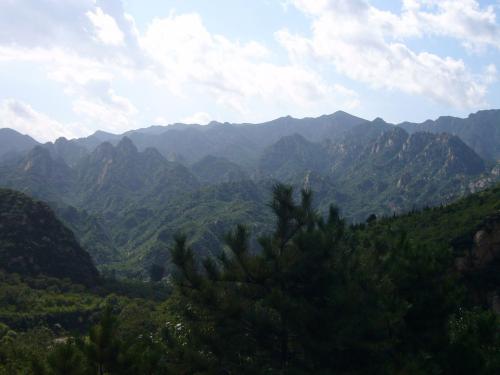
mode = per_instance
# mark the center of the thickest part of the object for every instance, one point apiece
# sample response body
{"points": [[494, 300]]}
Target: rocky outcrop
{"points": [[481, 265]]}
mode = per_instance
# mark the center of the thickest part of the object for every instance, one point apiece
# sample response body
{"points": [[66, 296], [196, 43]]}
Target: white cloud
{"points": [[62, 65], [89, 45], [312, 7], [465, 20], [199, 118], [82, 44], [22, 117], [365, 44], [107, 110], [87, 38], [87, 80], [297, 46], [160, 120], [106, 29], [44, 23], [190, 58], [491, 74], [94, 28], [101, 45]]}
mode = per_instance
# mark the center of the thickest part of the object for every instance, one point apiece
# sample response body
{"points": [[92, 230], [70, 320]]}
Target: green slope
{"points": [[451, 225], [33, 241]]}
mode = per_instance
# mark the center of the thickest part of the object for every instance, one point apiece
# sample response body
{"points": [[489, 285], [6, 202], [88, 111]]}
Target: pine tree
{"points": [[296, 306], [66, 359], [63, 359], [102, 347]]}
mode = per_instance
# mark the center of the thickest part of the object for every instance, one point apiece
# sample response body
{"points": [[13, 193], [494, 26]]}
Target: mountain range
{"points": [[126, 195]]}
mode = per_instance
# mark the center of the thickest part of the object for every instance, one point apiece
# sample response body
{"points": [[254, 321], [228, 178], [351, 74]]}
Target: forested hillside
{"points": [[125, 196], [34, 242], [394, 295], [181, 192]]}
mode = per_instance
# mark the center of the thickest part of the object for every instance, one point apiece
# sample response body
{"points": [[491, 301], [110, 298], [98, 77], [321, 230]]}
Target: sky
{"points": [[71, 67]]}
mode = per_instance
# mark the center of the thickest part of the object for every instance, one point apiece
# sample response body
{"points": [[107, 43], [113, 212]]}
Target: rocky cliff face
{"points": [[481, 265], [480, 131], [38, 174], [487, 243]]}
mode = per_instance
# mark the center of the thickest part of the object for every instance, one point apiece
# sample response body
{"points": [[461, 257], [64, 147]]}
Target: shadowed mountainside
{"points": [[34, 242]]}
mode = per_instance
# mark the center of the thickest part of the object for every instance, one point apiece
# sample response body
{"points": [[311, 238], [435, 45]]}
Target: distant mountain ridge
{"points": [[480, 130], [12, 142], [126, 196], [242, 142], [124, 174]]}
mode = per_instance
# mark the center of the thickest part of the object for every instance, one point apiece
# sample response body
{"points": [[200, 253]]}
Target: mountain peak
{"points": [[39, 150], [13, 141], [9, 131], [103, 134], [485, 112], [390, 142], [292, 140], [379, 120], [61, 140], [38, 159], [126, 146], [341, 114], [395, 132], [104, 150], [479, 130]]}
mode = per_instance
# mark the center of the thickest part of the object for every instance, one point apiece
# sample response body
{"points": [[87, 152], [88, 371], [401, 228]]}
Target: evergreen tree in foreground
{"points": [[307, 302], [318, 297]]}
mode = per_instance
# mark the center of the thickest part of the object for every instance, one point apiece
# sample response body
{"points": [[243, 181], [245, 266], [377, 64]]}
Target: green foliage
{"points": [[19, 350], [318, 297], [102, 346], [33, 241], [26, 303], [38, 314], [321, 298], [212, 170], [475, 342], [124, 203], [64, 359], [446, 226]]}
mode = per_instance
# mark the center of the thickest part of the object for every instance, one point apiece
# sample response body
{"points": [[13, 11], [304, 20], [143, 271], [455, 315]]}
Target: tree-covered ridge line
{"points": [[125, 199], [33, 241], [320, 296], [469, 228], [449, 225], [191, 142]]}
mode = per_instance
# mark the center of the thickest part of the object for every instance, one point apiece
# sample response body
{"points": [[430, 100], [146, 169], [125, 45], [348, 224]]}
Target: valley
{"points": [[125, 196], [273, 187]]}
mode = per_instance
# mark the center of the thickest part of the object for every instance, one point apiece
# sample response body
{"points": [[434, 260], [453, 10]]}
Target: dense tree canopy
{"points": [[318, 297]]}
